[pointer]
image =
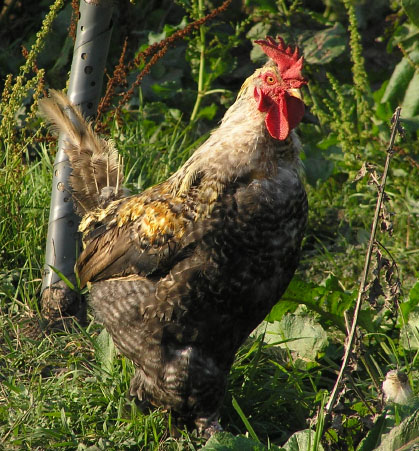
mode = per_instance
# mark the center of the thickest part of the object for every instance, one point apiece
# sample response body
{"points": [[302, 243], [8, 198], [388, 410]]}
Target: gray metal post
{"points": [[94, 29]]}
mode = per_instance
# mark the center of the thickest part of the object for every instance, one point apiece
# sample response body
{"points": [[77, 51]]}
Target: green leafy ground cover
{"points": [[67, 389]]}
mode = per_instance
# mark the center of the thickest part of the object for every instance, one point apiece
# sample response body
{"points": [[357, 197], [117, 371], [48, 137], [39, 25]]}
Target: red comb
{"points": [[288, 61]]}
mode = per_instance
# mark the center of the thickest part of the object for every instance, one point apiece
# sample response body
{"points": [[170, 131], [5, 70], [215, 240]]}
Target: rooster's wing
{"points": [[142, 234]]}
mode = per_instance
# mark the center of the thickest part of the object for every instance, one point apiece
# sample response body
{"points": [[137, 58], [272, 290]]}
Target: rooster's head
{"points": [[277, 86]]}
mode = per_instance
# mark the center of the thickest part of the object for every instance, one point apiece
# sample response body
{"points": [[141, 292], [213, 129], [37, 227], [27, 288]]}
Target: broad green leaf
{"points": [[409, 333], [317, 169], [329, 304], [412, 10], [301, 441], [280, 309], [410, 104], [405, 433], [409, 320], [224, 441], [258, 31], [400, 79], [332, 284], [328, 141], [407, 306], [64, 56], [207, 112], [414, 293], [325, 45], [411, 124], [301, 334], [218, 67], [105, 351], [265, 5], [373, 437], [154, 37], [166, 88], [386, 430]]}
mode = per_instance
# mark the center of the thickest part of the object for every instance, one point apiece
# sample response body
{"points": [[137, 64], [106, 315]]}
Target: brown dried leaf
{"points": [[361, 172]]}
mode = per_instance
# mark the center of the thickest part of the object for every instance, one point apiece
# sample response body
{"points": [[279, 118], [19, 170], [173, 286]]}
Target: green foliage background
{"points": [[67, 389]]}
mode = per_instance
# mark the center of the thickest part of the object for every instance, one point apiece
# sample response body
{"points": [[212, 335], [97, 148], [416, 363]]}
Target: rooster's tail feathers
{"points": [[97, 173]]}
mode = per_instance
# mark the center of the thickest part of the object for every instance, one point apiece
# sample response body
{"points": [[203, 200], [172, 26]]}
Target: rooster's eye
{"points": [[270, 79]]}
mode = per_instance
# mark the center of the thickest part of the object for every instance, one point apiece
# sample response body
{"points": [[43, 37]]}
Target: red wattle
{"points": [[282, 115], [295, 109], [276, 120]]}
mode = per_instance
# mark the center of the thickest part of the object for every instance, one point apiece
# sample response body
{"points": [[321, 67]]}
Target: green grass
{"points": [[68, 389]]}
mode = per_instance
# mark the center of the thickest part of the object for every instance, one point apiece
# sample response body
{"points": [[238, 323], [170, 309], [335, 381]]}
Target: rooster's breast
{"points": [[254, 250]]}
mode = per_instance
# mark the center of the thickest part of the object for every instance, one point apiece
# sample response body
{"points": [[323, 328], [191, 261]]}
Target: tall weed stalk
{"points": [[22, 203]]}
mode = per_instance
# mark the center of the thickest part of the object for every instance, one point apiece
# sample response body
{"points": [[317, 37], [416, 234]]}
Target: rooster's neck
{"points": [[240, 147]]}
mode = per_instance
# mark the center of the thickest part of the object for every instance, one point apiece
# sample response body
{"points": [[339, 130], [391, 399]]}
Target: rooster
{"points": [[181, 273]]}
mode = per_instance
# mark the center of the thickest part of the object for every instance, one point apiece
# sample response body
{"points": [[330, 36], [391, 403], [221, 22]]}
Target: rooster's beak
{"points": [[294, 92]]}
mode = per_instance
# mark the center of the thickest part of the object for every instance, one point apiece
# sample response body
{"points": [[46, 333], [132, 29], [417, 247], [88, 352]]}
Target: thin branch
{"points": [[155, 52], [349, 343]]}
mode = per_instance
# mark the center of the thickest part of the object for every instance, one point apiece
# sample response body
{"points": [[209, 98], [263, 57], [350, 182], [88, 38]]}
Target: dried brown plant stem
{"points": [[155, 51], [180, 34], [129, 93], [119, 77], [72, 29], [350, 340], [160, 48]]}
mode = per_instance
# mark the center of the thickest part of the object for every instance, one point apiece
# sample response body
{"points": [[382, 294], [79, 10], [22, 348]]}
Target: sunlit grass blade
{"points": [[246, 422]]}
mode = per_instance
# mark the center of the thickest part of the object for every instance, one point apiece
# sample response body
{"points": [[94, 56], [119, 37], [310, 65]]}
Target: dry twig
{"points": [[352, 335], [154, 52]]}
